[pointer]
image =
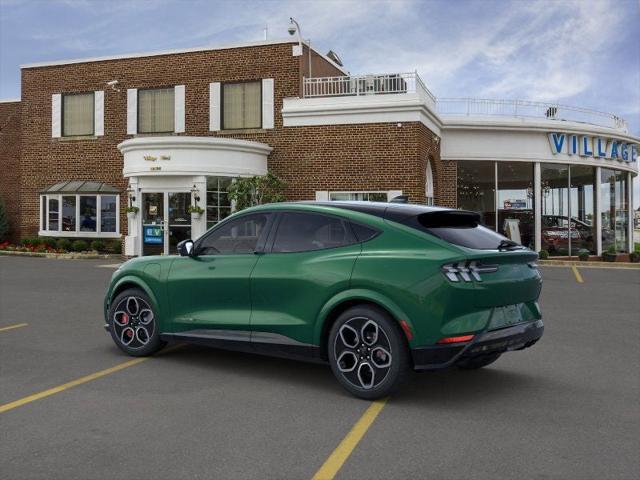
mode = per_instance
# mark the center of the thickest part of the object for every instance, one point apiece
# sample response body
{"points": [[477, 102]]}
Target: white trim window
{"points": [[79, 114], [80, 215], [242, 105]]}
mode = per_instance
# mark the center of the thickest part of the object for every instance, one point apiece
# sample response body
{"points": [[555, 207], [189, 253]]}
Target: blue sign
{"points": [[152, 235]]}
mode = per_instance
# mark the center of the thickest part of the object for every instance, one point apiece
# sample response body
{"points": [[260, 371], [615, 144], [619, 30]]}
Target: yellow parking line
{"points": [[11, 327], [577, 274], [335, 461], [74, 383]]}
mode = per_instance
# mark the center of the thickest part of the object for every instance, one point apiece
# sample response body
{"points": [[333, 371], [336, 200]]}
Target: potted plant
{"points": [[132, 211], [195, 211], [543, 254], [610, 255], [583, 255]]}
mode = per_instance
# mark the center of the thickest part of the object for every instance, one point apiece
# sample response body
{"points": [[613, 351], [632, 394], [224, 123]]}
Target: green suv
{"points": [[374, 289]]}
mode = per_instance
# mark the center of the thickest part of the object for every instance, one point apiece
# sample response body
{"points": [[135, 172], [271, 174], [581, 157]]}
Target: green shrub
{"points": [[97, 245], [583, 255], [47, 242], [79, 246], [543, 254], [28, 241], [115, 247], [611, 249], [64, 244], [634, 257]]}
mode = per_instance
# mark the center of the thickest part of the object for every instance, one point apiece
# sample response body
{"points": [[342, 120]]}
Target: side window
{"points": [[364, 233], [302, 232], [234, 237]]}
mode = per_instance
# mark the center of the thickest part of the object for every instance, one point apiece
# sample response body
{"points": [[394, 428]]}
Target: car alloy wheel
{"points": [[133, 322], [363, 353]]}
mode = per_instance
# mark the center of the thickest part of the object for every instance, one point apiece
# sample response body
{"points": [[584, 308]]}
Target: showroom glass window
{"points": [[516, 202], [80, 215], [156, 110], [241, 105], [304, 232], [614, 209], [77, 114], [218, 203], [554, 181], [239, 236], [582, 209], [476, 189], [359, 196]]}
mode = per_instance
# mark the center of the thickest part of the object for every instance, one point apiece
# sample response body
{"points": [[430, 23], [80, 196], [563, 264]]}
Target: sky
{"points": [[584, 53]]}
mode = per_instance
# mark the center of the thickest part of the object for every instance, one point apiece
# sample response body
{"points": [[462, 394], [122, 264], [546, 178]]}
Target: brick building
{"points": [[160, 131]]}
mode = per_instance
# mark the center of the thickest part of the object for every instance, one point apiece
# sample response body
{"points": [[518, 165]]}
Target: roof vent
{"points": [[333, 56]]}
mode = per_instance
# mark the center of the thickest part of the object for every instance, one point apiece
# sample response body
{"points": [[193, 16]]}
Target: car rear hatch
{"points": [[502, 271]]}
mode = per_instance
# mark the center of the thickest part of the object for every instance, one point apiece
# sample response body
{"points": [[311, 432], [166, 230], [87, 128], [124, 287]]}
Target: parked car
{"points": [[374, 289]]}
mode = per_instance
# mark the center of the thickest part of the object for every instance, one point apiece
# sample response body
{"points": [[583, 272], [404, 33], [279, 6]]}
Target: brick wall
{"points": [[10, 163], [341, 157]]}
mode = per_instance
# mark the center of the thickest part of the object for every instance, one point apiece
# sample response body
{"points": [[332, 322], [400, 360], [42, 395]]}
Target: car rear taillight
{"points": [[458, 339], [467, 271]]}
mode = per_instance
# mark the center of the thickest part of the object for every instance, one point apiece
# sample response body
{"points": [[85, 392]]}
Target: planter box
{"points": [[131, 215], [610, 257], [196, 216]]}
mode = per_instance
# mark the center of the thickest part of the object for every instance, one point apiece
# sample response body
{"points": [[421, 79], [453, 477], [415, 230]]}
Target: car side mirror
{"points": [[186, 248]]}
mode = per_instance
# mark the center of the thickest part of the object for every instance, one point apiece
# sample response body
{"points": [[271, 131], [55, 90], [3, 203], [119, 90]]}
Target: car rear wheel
{"points": [[368, 353], [473, 363], [132, 323]]}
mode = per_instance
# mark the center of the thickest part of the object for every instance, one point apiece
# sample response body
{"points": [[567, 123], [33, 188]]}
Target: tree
{"points": [[4, 222], [250, 191]]}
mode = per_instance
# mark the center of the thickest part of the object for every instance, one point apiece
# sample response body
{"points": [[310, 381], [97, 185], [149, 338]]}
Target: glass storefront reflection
{"points": [[614, 210], [476, 190], [567, 199], [515, 202]]}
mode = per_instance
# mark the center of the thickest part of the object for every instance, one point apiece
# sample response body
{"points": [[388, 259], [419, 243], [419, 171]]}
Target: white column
{"points": [[537, 206], [598, 213], [199, 226], [133, 240]]}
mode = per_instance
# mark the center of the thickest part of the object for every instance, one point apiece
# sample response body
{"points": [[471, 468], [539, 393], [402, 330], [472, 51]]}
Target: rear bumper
{"points": [[516, 337]]}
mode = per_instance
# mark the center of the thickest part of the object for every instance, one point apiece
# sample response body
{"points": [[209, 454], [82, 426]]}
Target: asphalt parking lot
{"points": [[567, 408]]}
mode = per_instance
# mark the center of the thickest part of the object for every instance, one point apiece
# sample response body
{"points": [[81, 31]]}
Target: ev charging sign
{"points": [[596, 147]]}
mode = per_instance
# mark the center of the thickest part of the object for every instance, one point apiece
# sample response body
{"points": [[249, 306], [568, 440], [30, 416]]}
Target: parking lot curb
{"points": [[569, 263], [63, 256]]}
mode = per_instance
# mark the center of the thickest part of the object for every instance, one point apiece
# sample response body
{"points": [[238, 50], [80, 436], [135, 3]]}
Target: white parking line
{"points": [[111, 265]]}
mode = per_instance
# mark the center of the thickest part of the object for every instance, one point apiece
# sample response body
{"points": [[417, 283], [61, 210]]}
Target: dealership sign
{"points": [[597, 147]]}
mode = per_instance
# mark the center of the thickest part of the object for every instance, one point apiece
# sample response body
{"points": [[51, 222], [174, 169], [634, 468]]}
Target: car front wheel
{"points": [[132, 323], [368, 352]]}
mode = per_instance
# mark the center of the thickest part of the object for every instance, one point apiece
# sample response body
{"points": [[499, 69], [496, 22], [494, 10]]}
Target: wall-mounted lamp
{"points": [[132, 197], [195, 194]]}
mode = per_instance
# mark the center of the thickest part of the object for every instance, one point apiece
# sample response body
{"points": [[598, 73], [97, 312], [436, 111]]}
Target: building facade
{"points": [[159, 132]]}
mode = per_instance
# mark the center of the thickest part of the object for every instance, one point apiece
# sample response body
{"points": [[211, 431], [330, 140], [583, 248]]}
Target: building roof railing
{"points": [[357, 85], [403, 83], [528, 109]]}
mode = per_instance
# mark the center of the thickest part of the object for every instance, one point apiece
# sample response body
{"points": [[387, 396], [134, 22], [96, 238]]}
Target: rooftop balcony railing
{"points": [[402, 83], [357, 85], [528, 109]]}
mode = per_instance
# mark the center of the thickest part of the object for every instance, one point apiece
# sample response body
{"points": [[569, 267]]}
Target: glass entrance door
{"points": [[179, 219], [165, 221]]}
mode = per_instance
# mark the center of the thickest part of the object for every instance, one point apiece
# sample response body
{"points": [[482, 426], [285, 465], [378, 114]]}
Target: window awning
{"points": [[81, 186]]}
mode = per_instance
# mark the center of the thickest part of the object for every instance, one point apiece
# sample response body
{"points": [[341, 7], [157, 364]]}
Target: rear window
{"points": [[461, 228]]}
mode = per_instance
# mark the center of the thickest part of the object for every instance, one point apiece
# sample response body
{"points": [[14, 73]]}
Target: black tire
{"points": [[129, 319], [473, 363], [380, 365]]}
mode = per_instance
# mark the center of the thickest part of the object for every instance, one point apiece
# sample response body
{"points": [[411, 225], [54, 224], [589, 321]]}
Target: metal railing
{"points": [[356, 85], [528, 109], [399, 83]]}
